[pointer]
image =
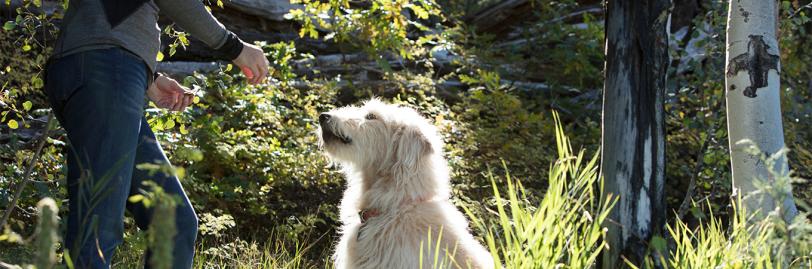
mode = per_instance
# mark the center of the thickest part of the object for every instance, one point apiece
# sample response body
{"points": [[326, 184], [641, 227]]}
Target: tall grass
{"points": [[564, 230], [711, 246], [750, 240], [744, 243]]}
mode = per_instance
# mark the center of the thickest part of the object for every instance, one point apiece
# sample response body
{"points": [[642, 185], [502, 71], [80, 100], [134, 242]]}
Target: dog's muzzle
{"points": [[327, 133]]}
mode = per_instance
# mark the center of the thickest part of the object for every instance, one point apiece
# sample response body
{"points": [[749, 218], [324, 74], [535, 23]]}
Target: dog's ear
{"points": [[412, 146]]}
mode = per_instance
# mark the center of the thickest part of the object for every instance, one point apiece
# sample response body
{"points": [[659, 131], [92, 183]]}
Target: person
{"points": [[96, 82]]}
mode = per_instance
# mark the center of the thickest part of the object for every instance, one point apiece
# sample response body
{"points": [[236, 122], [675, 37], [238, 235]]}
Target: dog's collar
{"points": [[367, 214]]}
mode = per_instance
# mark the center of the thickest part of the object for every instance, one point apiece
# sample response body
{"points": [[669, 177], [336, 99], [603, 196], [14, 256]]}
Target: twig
{"points": [[700, 164], [31, 164], [796, 12], [8, 266]]}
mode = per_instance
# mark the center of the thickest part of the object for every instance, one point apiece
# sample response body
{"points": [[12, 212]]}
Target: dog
{"points": [[396, 211]]}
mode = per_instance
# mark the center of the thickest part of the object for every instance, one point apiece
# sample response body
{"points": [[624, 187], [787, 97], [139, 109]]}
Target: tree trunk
{"points": [[753, 102], [633, 142]]}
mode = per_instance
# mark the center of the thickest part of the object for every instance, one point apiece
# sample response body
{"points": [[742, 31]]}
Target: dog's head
{"points": [[378, 134]]}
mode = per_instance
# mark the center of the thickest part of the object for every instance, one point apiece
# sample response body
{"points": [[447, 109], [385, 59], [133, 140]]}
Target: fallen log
{"points": [[493, 19], [180, 69], [274, 10]]}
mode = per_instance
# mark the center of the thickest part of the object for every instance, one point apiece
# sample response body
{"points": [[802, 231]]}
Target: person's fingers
{"points": [[257, 75], [175, 100], [264, 66], [188, 100], [262, 73], [178, 105], [182, 103]]}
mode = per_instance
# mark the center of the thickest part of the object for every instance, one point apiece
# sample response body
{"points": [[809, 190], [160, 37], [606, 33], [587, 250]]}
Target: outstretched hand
{"points": [[253, 63], [169, 94]]}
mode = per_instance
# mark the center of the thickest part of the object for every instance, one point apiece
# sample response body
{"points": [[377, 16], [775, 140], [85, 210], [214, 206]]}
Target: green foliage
{"points": [[378, 27], [696, 118], [24, 42], [564, 229]]}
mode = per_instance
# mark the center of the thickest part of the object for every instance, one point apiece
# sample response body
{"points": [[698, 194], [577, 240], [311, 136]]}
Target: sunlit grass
{"points": [[274, 253], [563, 230]]}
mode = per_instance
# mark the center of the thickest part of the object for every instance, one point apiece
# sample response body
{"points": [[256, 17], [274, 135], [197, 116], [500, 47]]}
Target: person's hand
{"points": [[169, 94], [253, 63]]}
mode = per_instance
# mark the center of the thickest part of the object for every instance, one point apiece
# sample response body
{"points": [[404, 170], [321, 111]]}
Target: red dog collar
{"points": [[367, 214]]}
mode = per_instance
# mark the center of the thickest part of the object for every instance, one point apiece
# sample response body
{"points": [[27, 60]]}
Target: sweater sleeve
{"points": [[192, 16]]}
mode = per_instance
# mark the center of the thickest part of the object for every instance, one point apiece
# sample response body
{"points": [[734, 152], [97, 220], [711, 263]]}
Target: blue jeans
{"points": [[98, 96]]}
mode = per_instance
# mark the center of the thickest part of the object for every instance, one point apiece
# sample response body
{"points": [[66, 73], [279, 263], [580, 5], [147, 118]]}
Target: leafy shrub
{"points": [[378, 28]]}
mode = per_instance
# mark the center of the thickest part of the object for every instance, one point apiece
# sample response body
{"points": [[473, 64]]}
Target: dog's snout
{"points": [[324, 118]]}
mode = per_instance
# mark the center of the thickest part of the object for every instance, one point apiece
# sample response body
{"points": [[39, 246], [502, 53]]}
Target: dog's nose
{"points": [[324, 117]]}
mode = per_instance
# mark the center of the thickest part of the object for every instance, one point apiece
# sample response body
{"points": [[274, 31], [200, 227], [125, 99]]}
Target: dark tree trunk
{"points": [[633, 143]]}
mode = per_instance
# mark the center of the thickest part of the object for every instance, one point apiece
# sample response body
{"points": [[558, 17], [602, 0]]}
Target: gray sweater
{"points": [[85, 27]]}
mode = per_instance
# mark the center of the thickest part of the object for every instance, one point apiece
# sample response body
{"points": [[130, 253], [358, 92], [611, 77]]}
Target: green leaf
{"points": [[37, 82], [136, 198], [659, 244], [313, 33], [9, 25], [183, 39], [27, 105], [159, 57], [419, 11], [13, 124], [26, 47], [169, 124]]}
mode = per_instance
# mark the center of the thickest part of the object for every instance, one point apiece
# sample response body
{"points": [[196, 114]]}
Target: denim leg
{"points": [[149, 151], [98, 97]]}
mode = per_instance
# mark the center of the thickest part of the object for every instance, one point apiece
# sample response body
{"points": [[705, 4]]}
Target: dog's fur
{"points": [[393, 161]]}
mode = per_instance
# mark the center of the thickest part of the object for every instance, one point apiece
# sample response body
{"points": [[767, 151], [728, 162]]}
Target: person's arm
{"points": [[192, 16]]}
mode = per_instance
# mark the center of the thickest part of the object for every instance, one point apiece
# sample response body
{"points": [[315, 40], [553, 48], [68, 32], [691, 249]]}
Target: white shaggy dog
{"points": [[396, 203]]}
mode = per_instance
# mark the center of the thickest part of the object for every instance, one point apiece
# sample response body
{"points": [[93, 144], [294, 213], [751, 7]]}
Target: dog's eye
{"points": [[371, 116]]}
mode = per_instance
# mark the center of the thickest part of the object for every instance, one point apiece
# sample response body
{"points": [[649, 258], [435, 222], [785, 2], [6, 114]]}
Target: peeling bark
{"points": [[633, 142]]}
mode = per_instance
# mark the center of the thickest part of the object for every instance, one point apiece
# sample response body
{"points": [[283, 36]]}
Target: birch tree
{"points": [[753, 102], [633, 142]]}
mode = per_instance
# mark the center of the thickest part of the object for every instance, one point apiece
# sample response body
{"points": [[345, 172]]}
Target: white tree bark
{"points": [[753, 101]]}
